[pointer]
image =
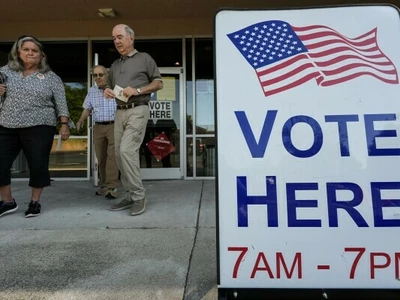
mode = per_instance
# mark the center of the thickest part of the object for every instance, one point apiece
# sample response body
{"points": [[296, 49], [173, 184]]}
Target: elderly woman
{"points": [[34, 99]]}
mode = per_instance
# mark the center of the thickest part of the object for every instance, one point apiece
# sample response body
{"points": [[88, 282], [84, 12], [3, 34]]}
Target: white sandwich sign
{"points": [[308, 137]]}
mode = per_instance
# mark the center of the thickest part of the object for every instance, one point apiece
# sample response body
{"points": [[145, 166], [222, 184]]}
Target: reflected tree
{"points": [[75, 98]]}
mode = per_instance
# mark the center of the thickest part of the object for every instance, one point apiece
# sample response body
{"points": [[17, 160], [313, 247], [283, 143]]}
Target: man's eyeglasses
{"points": [[100, 75]]}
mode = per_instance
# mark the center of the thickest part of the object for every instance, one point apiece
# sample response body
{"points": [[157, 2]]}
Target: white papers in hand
{"points": [[118, 93]]}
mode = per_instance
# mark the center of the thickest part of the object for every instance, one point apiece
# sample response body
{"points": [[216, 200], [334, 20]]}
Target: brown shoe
{"points": [[102, 191], [138, 207], [124, 204], [112, 193]]}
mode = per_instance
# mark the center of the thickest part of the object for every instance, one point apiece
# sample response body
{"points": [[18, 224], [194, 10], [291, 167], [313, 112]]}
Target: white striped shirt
{"points": [[103, 109]]}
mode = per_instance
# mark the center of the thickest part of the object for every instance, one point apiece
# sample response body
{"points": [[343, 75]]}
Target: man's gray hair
{"points": [[100, 66], [129, 31]]}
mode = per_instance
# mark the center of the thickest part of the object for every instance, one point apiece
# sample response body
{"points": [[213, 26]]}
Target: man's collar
{"points": [[134, 51]]}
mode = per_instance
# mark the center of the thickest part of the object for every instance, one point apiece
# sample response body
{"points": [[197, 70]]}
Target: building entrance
{"points": [[161, 151]]}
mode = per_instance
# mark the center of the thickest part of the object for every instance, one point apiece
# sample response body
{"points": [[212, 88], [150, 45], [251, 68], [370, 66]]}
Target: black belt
{"points": [[104, 123], [130, 105]]}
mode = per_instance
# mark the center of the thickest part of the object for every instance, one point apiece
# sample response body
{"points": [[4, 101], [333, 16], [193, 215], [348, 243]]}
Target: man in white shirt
{"points": [[103, 113]]}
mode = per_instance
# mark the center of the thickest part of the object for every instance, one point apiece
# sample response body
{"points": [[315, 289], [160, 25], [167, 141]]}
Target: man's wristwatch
{"points": [[139, 90]]}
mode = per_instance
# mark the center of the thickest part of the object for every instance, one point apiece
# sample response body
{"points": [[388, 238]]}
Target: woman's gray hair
{"points": [[14, 61]]}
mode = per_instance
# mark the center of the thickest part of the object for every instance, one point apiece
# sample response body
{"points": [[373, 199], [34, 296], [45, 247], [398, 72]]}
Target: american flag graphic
{"points": [[285, 56]]}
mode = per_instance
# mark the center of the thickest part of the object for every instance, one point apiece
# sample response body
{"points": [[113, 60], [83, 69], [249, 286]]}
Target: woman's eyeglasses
{"points": [[100, 75]]}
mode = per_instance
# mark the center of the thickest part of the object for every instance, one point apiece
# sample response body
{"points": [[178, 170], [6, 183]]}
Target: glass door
{"points": [[162, 149], [164, 129], [166, 108]]}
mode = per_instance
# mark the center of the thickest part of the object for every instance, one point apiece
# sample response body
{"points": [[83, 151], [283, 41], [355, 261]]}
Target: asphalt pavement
{"points": [[78, 249]]}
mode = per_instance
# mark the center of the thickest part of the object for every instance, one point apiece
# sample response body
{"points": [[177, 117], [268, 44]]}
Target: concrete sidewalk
{"points": [[78, 249]]}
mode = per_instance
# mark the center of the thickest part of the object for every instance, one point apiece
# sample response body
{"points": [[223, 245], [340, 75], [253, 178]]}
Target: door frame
{"points": [[154, 173], [94, 165], [172, 173]]}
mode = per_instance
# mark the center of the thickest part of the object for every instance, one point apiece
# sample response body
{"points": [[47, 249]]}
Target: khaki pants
{"points": [[104, 147], [130, 127]]}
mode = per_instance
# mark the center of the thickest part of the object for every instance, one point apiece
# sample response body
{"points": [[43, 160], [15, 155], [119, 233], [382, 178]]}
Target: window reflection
{"points": [[200, 145], [204, 106], [203, 154], [204, 60], [69, 158], [189, 88]]}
